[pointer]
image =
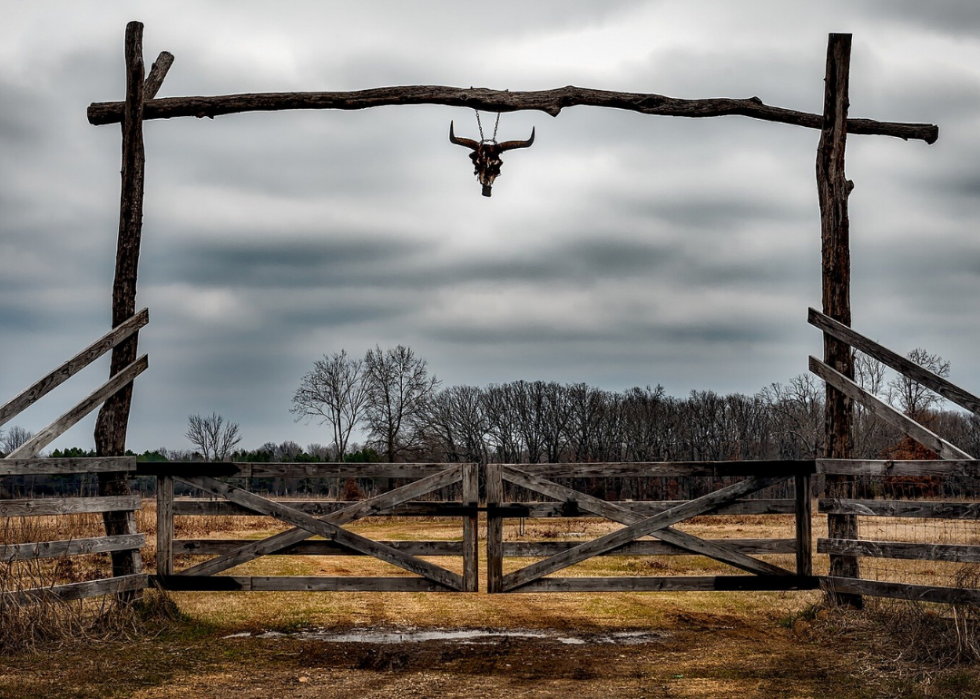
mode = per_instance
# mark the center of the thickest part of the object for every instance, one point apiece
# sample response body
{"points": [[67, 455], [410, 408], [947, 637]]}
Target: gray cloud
{"points": [[620, 250]]}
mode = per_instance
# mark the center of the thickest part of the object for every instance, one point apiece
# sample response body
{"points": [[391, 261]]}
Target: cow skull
{"points": [[486, 156]]}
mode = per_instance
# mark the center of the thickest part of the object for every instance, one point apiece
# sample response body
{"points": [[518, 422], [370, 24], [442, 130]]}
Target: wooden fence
{"points": [[11, 553], [647, 525], [122, 541]]}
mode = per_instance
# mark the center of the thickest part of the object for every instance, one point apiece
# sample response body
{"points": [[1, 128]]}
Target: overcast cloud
{"points": [[619, 250]]}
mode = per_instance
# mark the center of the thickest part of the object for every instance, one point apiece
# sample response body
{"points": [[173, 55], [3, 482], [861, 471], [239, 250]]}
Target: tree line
{"points": [[406, 415]]}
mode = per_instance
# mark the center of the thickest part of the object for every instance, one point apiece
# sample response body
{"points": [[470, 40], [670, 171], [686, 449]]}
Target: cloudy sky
{"points": [[619, 250]]}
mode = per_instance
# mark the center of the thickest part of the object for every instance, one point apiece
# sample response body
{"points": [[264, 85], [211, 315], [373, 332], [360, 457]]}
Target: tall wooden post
{"points": [[495, 529], [110, 428], [834, 188]]}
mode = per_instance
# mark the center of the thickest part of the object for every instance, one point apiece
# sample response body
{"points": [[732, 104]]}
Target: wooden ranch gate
{"points": [[324, 518], [646, 519]]}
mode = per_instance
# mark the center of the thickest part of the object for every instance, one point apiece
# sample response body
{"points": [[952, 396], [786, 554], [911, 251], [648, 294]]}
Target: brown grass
{"points": [[715, 644]]}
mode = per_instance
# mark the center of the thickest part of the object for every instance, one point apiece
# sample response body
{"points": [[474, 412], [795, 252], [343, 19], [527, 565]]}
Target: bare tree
{"points": [[212, 435], [913, 398], [398, 389], [15, 438], [334, 392]]}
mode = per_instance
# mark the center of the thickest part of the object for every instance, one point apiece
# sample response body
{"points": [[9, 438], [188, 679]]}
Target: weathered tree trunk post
{"points": [[110, 428], [833, 189]]}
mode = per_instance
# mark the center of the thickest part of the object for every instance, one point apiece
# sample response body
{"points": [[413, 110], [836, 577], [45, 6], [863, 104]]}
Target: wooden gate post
{"points": [[165, 525], [804, 525], [495, 529], [471, 528], [833, 189], [110, 428]]}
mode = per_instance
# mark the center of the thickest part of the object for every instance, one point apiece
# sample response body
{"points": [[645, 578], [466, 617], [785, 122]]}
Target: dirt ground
{"points": [[690, 647], [709, 644]]}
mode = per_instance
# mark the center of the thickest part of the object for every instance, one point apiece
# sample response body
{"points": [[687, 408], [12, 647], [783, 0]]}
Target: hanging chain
{"points": [[480, 125]]}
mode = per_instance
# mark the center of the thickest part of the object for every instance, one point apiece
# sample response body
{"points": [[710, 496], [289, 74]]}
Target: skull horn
{"points": [[468, 142], [507, 145]]}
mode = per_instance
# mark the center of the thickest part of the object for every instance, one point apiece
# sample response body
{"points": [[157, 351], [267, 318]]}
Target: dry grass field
{"points": [[268, 644]]}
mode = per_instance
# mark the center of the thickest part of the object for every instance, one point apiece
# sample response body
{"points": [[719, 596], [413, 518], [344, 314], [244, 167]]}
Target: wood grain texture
{"points": [[65, 467], [82, 590], [551, 102], [70, 547], [661, 469], [903, 550], [897, 362], [66, 506], [920, 593], [471, 529], [887, 413], [31, 395], [290, 583], [226, 469], [959, 468], [448, 508], [214, 547], [495, 530], [165, 525], [543, 549], [745, 583], [804, 525]]}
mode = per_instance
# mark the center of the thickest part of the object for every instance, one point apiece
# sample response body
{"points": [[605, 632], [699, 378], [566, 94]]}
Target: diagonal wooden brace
{"points": [[328, 526], [618, 513], [627, 534]]}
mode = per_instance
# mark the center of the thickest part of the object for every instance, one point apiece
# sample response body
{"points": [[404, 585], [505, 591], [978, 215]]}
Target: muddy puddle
{"points": [[461, 637]]}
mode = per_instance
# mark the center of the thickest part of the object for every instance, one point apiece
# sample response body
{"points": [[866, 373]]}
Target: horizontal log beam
{"points": [[81, 590], [932, 381], [901, 508], [70, 547], [919, 593], [902, 550], [94, 400], [960, 468], [901, 422], [66, 467], [225, 469], [551, 102], [31, 395], [67, 506], [290, 583], [732, 583]]}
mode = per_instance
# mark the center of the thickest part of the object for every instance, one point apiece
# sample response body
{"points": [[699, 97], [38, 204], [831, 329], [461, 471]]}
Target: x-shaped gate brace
{"points": [[637, 525], [329, 527]]}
